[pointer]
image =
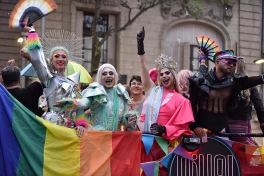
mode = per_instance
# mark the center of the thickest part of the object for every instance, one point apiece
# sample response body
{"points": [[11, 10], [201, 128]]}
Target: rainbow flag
{"points": [[30, 145]]}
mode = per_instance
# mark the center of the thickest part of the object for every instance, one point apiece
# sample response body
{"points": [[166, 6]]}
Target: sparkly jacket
{"points": [[57, 86]]}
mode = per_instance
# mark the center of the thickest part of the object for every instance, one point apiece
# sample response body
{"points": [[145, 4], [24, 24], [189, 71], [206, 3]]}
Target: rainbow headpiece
{"points": [[225, 54], [164, 61]]}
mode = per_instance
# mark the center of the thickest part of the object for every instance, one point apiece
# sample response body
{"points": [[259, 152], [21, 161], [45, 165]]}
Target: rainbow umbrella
{"points": [[72, 68]]}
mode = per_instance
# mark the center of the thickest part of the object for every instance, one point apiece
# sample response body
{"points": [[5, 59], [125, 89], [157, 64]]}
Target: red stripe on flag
{"points": [[125, 159]]}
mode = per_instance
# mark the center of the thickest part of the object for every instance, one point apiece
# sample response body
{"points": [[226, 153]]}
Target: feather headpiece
{"points": [[63, 39]]}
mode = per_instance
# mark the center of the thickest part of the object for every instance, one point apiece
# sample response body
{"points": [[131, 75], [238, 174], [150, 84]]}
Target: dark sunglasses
{"points": [[228, 62], [165, 73], [110, 73], [64, 56]]}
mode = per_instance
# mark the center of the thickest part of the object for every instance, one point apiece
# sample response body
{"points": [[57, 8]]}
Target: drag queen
{"points": [[107, 100], [57, 86], [168, 113]]}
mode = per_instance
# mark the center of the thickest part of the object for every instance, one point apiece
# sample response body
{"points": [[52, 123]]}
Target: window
{"points": [[101, 30], [194, 61]]}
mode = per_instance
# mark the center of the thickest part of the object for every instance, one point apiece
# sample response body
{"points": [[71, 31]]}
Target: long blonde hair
{"points": [[176, 86]]}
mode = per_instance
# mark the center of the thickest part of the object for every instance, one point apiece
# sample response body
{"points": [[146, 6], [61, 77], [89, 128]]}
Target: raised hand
{"points": [[25, 55], [26, 27], [11, 62], [140, 42], [202, 56]]}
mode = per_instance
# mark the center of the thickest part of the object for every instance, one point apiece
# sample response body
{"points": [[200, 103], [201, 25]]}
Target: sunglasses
{"points": [[64, 56], [110, 73], [165, 73], [228, 62]]}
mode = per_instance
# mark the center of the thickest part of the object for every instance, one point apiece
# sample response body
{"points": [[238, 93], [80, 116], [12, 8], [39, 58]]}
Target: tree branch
{"points": [[109, 32], [142, 8]]}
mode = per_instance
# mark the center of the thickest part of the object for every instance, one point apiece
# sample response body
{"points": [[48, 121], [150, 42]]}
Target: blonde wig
{"points": [[100, 71]]}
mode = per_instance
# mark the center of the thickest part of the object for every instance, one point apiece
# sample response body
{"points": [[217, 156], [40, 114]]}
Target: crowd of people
{"points": [[167, 103]]}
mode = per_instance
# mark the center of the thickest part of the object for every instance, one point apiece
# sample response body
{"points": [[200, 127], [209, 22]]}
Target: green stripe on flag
{"points": [[30, 133]]}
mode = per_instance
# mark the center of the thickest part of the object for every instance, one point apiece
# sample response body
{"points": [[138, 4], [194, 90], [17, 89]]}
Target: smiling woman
{"points": [[57, 85], [59, 60], [167, 113], [136, 94], [107, 76], [107, 100]]}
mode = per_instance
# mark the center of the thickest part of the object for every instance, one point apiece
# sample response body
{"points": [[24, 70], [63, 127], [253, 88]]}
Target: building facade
{"points": [[170, 29]]}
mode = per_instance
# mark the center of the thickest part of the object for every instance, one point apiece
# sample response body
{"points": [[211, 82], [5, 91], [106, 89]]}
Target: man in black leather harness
{"points": [[214, 94]]}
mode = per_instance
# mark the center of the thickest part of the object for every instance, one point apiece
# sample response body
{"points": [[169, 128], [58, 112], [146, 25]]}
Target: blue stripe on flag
{"points": [[9, 147]]}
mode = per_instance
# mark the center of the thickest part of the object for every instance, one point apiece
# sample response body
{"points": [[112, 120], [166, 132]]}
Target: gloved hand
{"points": [[140, 42], [157, 129], [66, 104]]}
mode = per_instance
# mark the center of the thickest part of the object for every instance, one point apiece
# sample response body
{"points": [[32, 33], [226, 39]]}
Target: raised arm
{"points": [[36, 55], [146, 81], [203, 69]]}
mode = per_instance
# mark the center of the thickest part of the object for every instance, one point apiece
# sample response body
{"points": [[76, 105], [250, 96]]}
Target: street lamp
{"points": [[259, 61], [20, 40]]}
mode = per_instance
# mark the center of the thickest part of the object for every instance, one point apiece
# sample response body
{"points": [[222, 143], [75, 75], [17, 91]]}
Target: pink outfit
{"points": [[175, 114]]}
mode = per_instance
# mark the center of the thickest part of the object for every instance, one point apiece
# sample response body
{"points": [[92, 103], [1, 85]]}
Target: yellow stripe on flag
{"points": [[261, 150], [61, 151]]}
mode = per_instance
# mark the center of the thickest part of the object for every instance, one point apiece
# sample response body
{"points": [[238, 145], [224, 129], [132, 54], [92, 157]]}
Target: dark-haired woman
{"points": [[136, 94]]}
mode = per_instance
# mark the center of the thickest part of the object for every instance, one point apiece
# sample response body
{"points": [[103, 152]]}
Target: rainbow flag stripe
{"points": [[33, 146]]}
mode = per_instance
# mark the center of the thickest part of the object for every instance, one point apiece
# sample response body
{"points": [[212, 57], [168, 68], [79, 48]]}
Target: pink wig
{"points": [[153, 74], [183, 80]]}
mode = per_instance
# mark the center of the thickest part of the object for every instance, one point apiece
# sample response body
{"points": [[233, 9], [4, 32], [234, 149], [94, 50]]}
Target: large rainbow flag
{"points": [[30, 145]]}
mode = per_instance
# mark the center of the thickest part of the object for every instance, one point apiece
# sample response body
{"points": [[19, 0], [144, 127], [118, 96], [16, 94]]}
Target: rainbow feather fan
{"points": [[208, 46], [33, 9]]}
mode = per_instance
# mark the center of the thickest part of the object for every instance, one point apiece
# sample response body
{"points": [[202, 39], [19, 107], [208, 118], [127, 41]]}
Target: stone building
{"points": [[170, 29]]}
